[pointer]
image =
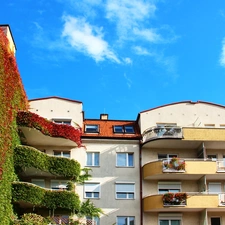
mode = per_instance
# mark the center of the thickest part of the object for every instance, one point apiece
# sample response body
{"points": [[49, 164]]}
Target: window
{"points": [[214, 188], [59, 153], [92, 190], [215, 221], [170, 218], [119, 129], [125, 190], [166, 156], [92, 220], [125, 220], [62, 121], [169, 222], [91, 128], [38, 182], [92, 159], [165, 187], [125, 159], [58, 184]]}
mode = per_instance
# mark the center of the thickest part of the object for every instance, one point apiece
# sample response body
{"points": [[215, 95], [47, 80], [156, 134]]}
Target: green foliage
{"points": [[28, 193], [45, 198], [32, 219], [61, 199], [88, 209], [24, 158], [70, 186], [84, 175]]}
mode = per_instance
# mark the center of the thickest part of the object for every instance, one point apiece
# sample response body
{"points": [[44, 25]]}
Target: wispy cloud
{"points": [[87, 39], [141, 51], [128, 14], [128, 80], [222, 56], [128, 60]]}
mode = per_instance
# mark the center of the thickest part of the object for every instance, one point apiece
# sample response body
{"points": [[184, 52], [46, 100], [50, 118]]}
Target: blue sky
{"points": [[120, 56]]}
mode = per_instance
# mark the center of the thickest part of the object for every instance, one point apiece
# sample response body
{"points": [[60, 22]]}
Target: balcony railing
{"points": [[170, 199], [162, 132], [220, 166], [173, 165]]}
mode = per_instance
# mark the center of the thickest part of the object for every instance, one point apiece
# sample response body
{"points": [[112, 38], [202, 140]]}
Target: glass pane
{"points": [[121, 195], [131, 221], [175, 222], [88, 194], [89, 159], [122, 220], [56, 153], [96, 195], [121, 159], [164, 222], [118, 129], [130, 160], [66, 154], [96, 159], [129, 129], [131, 195]]}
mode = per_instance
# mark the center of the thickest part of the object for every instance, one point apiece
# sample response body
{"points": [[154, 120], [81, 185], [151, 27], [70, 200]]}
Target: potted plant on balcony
{"points": [[174, 198], [174, 164]]}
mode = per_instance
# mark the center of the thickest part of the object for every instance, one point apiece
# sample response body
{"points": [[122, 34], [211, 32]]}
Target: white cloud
{"points": [[128, 14], [128, 60], [222, 56], [148, 34], [141, 51], [87, 39], [128, 80]]}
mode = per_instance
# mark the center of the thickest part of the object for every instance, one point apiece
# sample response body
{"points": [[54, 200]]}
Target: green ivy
{"points": [[24, 158], [45, 198]]}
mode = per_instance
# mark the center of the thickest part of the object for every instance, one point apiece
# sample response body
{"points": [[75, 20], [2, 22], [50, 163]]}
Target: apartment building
{"points": [[183, 164], [110, 148]]}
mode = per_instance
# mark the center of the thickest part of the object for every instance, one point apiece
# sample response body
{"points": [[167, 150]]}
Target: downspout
{"points": [[141, 204]]}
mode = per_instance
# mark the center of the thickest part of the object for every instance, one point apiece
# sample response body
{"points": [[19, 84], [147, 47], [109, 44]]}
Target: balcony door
{"points": [[215, 221]]}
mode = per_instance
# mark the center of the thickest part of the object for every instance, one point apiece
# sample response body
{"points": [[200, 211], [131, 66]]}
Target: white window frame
{"points": [[216, 185], [62, 153], [94, 129], [93, 156], [120, 187], [173, 187], [126, 159], [128, 219], [169, 217], [92, 187]]}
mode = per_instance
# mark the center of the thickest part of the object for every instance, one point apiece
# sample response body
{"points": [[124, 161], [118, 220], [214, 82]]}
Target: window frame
{"points": [[123, 129], [128, 218], [93, 158], [62, 153], [126, 192], [93, 190], [165, 187], [91, 130], [126, 159], [57, 187], [169, 217]]}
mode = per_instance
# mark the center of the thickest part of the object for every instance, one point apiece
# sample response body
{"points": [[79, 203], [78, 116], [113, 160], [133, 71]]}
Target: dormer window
{"points": [[91, 128], [127, 129]]}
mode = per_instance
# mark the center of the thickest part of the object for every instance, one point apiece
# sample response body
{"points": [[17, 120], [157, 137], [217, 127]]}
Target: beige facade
{"points": [[183, 151]]}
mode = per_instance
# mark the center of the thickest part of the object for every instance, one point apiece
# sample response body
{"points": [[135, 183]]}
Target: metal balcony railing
{"points": [[162, 132]]}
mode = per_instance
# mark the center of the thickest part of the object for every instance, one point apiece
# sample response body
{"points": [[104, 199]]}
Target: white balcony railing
{"points": [[162, 132]]}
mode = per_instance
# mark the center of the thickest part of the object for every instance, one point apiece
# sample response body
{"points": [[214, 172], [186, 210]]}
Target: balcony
{"points": [[174, 199], [184, 169], [193, 202], [43, 165], [36, 130], [162, 132], [28, 195]]}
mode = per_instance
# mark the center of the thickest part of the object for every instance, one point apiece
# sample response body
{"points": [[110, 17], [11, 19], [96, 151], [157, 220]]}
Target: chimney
{"points": [[104, 116]]}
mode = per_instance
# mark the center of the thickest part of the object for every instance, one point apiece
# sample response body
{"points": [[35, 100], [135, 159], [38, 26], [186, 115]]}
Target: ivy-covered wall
{"points": [[12, 99]]}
